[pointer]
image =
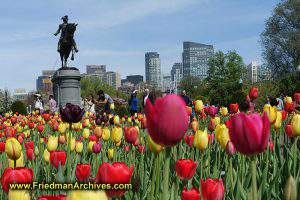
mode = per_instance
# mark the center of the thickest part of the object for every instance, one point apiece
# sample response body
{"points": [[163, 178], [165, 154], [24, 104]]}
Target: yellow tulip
{"points": [[19, 162], [67, 125], [36, 151], [271, 112], [20, 129], [223, 136], [155, 148], [123, 119], [87, 195], [72, 147], [46, 156], [129, 120], [224, 111], [77, 125], [52, 143], [7, 115], [198, 106], [109, 116], [41, 139], [116, 120], [278, 121], [90, 146], [18, 194], [201, 140], [135, 115], [136, 121], [112, 106], [119, 143], [106, 134], [117, 134], [295, 123], [62, 128], [87, 122], [79, 147], [13, 148], [98, 131], [217, 121], [86, 133], [288, 99], [110, 153]]}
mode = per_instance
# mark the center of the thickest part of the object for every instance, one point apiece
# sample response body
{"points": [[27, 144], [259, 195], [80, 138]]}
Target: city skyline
{"points": [[118, 34]]}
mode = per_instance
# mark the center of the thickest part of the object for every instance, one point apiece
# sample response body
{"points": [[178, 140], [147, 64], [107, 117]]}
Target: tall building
{"points": [[44, 82], [195, 58], [176, 75], [112, 78], [135, 79], [95, 69], [167, 83], [153, 70], [20, 94], [258, 72]]}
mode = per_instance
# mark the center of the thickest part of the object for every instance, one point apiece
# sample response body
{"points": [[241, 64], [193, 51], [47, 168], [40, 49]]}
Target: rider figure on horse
{"points": [[62, 28]]}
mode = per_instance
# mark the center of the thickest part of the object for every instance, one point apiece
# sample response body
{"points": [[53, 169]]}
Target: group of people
{"points": [[133, 101], [103, 99], [40, 106]]}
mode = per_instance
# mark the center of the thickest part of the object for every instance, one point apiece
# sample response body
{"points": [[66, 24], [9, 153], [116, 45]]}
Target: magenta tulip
{"points": [[167, 120], [249, 133], [212, 111]]}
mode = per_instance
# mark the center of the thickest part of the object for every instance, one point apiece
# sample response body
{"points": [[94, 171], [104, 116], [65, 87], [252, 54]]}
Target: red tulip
{"points": [[16, 175], [97, 148], [141, 148], [10, 132], [248, 99], [206, 110], [290, 107], [288, 130], [2, 147], [131, 134], [126, 148], [226, 123], [211, 138], [212, 111], [31, 125], [93, 138], [186, 168], [83, 172], [144, 123], [249, 133], [40, 128], [271, 145], [234, 108], [283, 115], [57, 157], [30, 154], [192, 194], [116, 173], [211, 125], [253, 93], [167, 120], [29, 145], [136, 143], [189, 139], [297, 97], [13, 120], [48, 197], [212, 189]]}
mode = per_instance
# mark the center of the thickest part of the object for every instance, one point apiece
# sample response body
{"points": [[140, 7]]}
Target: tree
{"points": [[18, 106], [193, 86], [224, 73], [5, 101], [281, 38]]}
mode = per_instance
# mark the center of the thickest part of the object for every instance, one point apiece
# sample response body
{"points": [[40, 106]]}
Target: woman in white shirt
{"points": [[38, 104]]}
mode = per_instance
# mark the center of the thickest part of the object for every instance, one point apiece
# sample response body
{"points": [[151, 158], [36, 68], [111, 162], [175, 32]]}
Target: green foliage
{"points": [[289, 84], [2, 101], [281, 38], [193, 86], [91, 85], [18, 106], [121, 111]]}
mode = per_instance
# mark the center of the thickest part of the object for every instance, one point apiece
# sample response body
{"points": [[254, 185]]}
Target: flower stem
{"points": [[153, 177], [166, 175], [253, 172], [231, 177], [295, 155], [69, 153]]}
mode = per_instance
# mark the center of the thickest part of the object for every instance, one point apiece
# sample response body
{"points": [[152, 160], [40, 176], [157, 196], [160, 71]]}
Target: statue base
{"points": [[66, 86]]}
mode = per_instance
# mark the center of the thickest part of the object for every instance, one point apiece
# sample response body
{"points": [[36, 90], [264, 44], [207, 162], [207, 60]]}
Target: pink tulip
{"points": [[212, 111], [167, 120], [249, 133]]}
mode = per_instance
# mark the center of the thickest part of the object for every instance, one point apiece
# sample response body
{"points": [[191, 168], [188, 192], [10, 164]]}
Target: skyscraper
{"points": [[95, 69], [176, 75], [195, 58], [153, 70]]}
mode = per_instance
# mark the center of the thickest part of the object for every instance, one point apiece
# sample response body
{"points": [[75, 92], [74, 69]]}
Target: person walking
{"points": [[133, 104], [52, 104], [38, 102]]}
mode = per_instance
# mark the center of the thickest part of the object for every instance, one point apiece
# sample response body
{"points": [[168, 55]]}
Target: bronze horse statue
{"points": [[66, 45]]}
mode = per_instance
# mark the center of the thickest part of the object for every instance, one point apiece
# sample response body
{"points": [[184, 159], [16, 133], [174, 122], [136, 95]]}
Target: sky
{"points": [[117, 33]]}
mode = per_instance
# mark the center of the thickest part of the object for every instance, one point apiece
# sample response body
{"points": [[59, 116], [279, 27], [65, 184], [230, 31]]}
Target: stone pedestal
{"points": [[66, 86]]}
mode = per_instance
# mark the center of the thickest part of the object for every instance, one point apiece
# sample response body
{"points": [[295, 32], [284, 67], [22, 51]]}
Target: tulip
{"points": [[2, 147], [290, 189], [16, 175], [201, 140], [79, 147], [13, 148], [18, 163], [106, 134], [97, 148], [129, 120], [222, 134], [288, 99], [20, 139], [87, 195], [86, 133], [253, 93], [141, 148], [30, 154], [278, 121], [211, 125], [234, 108], [212, 111], [230, 149], [155, 148], [52, 143], [194, 125], [186, 168], [110, 153], [192, 194], [90, 146], [271, 112], [10, 132], [295, 125], [198, 106], [249, 133], [18, 194], [71, 113], [126, 148], [62, 128], [98, 131], [284, 114], [117, 134], [46, 156], [212, 189], [290, 106], [29, 145], [60, 197], [131, 134], [189, 139], [211, 138], [167, 120], [82, 171], [116, 173], [116, 120], [61, 139], [36, 151], [297, 97], [40, 128], [224, 111], [72, 144], [57, 157]]}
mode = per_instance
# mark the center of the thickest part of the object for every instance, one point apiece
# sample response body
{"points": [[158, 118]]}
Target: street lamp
{"points": [[298, 72]]}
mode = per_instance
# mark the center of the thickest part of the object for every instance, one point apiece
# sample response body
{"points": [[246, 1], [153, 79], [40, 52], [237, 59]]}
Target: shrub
{"points": [[18, 106], [121, 111]]}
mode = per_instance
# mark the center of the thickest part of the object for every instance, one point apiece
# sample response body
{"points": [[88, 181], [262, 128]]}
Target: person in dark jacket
{"points": [[185, 98], [133, 103]]}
